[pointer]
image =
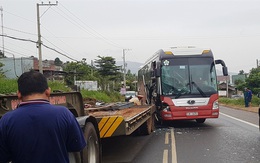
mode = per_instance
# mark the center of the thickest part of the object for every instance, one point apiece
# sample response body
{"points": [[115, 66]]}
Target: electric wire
{"points": [[67, 45], [19, 17], [18, 46], [35, 35], [93, 32], [16, 30], [28, 40], [76, 24], [7, 50]]}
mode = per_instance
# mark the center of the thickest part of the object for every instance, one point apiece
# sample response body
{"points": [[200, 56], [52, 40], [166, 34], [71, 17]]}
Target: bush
{"points": [[8, 86], [103, 96], [239, 102], [54, 85]]}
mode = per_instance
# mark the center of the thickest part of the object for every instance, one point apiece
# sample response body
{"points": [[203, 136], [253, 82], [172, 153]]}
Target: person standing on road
{"points": [[38, 132], [249, 96]]}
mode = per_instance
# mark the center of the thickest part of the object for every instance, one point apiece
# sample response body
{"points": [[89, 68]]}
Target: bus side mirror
{"points": [[224, 68], [157, 72], [225, 71]]}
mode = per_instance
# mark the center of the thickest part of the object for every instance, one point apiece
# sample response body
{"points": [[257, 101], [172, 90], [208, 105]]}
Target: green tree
{"points": [[110, 76], [131, 80], [253, 80], [57, 62], [78, 71], [241, 72], [2, 73], [240, 84]]}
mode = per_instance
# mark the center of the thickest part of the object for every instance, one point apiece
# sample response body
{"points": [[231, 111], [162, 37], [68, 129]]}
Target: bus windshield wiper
{"points": [[181, 92], [198, 88]]}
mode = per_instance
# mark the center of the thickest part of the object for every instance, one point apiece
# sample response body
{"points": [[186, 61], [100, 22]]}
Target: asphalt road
{"points": [[232, 138]]}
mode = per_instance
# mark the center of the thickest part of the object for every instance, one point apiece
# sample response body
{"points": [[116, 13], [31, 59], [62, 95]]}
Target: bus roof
{"points": [[178, 51], [186, 50]]}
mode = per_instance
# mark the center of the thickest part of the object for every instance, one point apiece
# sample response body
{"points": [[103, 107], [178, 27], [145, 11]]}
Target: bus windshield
{"points": [[188, 76]]}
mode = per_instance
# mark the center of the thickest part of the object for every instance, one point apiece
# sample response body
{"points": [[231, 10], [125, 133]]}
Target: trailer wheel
{"points": [[91, 153], [201, 120]]}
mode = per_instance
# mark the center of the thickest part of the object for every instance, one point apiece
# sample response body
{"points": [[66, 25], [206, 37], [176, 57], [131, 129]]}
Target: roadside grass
{"points": [[9, 86], [102, 96], [239, 102]]}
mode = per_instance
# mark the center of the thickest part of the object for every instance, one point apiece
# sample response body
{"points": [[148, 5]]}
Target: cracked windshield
{"points": [[188, 76]]}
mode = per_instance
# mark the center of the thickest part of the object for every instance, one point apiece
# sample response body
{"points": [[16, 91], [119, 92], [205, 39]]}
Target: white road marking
{"points": [[251, 124]]}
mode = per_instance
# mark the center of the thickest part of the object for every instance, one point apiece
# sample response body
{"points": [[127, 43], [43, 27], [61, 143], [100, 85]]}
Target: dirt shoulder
{"points": [[251, 109]]}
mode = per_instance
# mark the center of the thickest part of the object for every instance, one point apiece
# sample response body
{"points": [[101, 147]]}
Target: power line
{"points": [[12, 29], [15, 38], [28, 32], [59, 52], [93, 32], [12, 52], [20, 47], [67, 45], [19, 16], [28, 40]]}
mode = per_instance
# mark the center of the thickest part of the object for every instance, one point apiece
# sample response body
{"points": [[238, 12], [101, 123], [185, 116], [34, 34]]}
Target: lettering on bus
{"points": [[57, 100], [192, 107]]}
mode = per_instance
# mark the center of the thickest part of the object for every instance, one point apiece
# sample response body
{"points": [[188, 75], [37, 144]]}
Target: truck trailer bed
{"points": [[115, 122]]}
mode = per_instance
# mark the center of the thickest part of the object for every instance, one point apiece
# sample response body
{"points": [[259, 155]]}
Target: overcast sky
{"points": [[88, 28]]}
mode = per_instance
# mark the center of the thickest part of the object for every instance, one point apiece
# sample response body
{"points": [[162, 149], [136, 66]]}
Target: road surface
{"points": [[234, 138]]}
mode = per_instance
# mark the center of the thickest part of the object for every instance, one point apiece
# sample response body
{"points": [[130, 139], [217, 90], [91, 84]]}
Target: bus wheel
{"points": [[202, 120], [91, 153]]}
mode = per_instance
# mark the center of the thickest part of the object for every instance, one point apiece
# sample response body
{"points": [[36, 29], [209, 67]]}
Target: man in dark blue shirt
{"points": [[37, 131]]}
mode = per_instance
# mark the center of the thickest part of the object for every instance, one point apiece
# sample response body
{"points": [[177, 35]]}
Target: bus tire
{"points": [[201, 120], [91, 153]]}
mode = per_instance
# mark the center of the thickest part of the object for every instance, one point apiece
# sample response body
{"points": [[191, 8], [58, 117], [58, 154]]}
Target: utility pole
{"points": [[39, 42], [124, 67], [3, 52]]}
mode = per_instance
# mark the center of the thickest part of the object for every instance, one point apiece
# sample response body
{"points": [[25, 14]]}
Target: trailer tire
{"points": [[201, 120], [91, 153]]}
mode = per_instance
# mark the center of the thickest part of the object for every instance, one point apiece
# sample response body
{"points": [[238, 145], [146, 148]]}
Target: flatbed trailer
{"points": [[96, 123], [114, 121]]}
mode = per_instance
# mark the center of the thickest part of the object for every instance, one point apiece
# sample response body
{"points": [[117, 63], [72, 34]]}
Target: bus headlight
{"points": [[215, 105], [165, 107]]}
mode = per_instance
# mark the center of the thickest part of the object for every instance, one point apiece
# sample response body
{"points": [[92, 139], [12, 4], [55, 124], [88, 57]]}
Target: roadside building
{"points": [[14, 67]]}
